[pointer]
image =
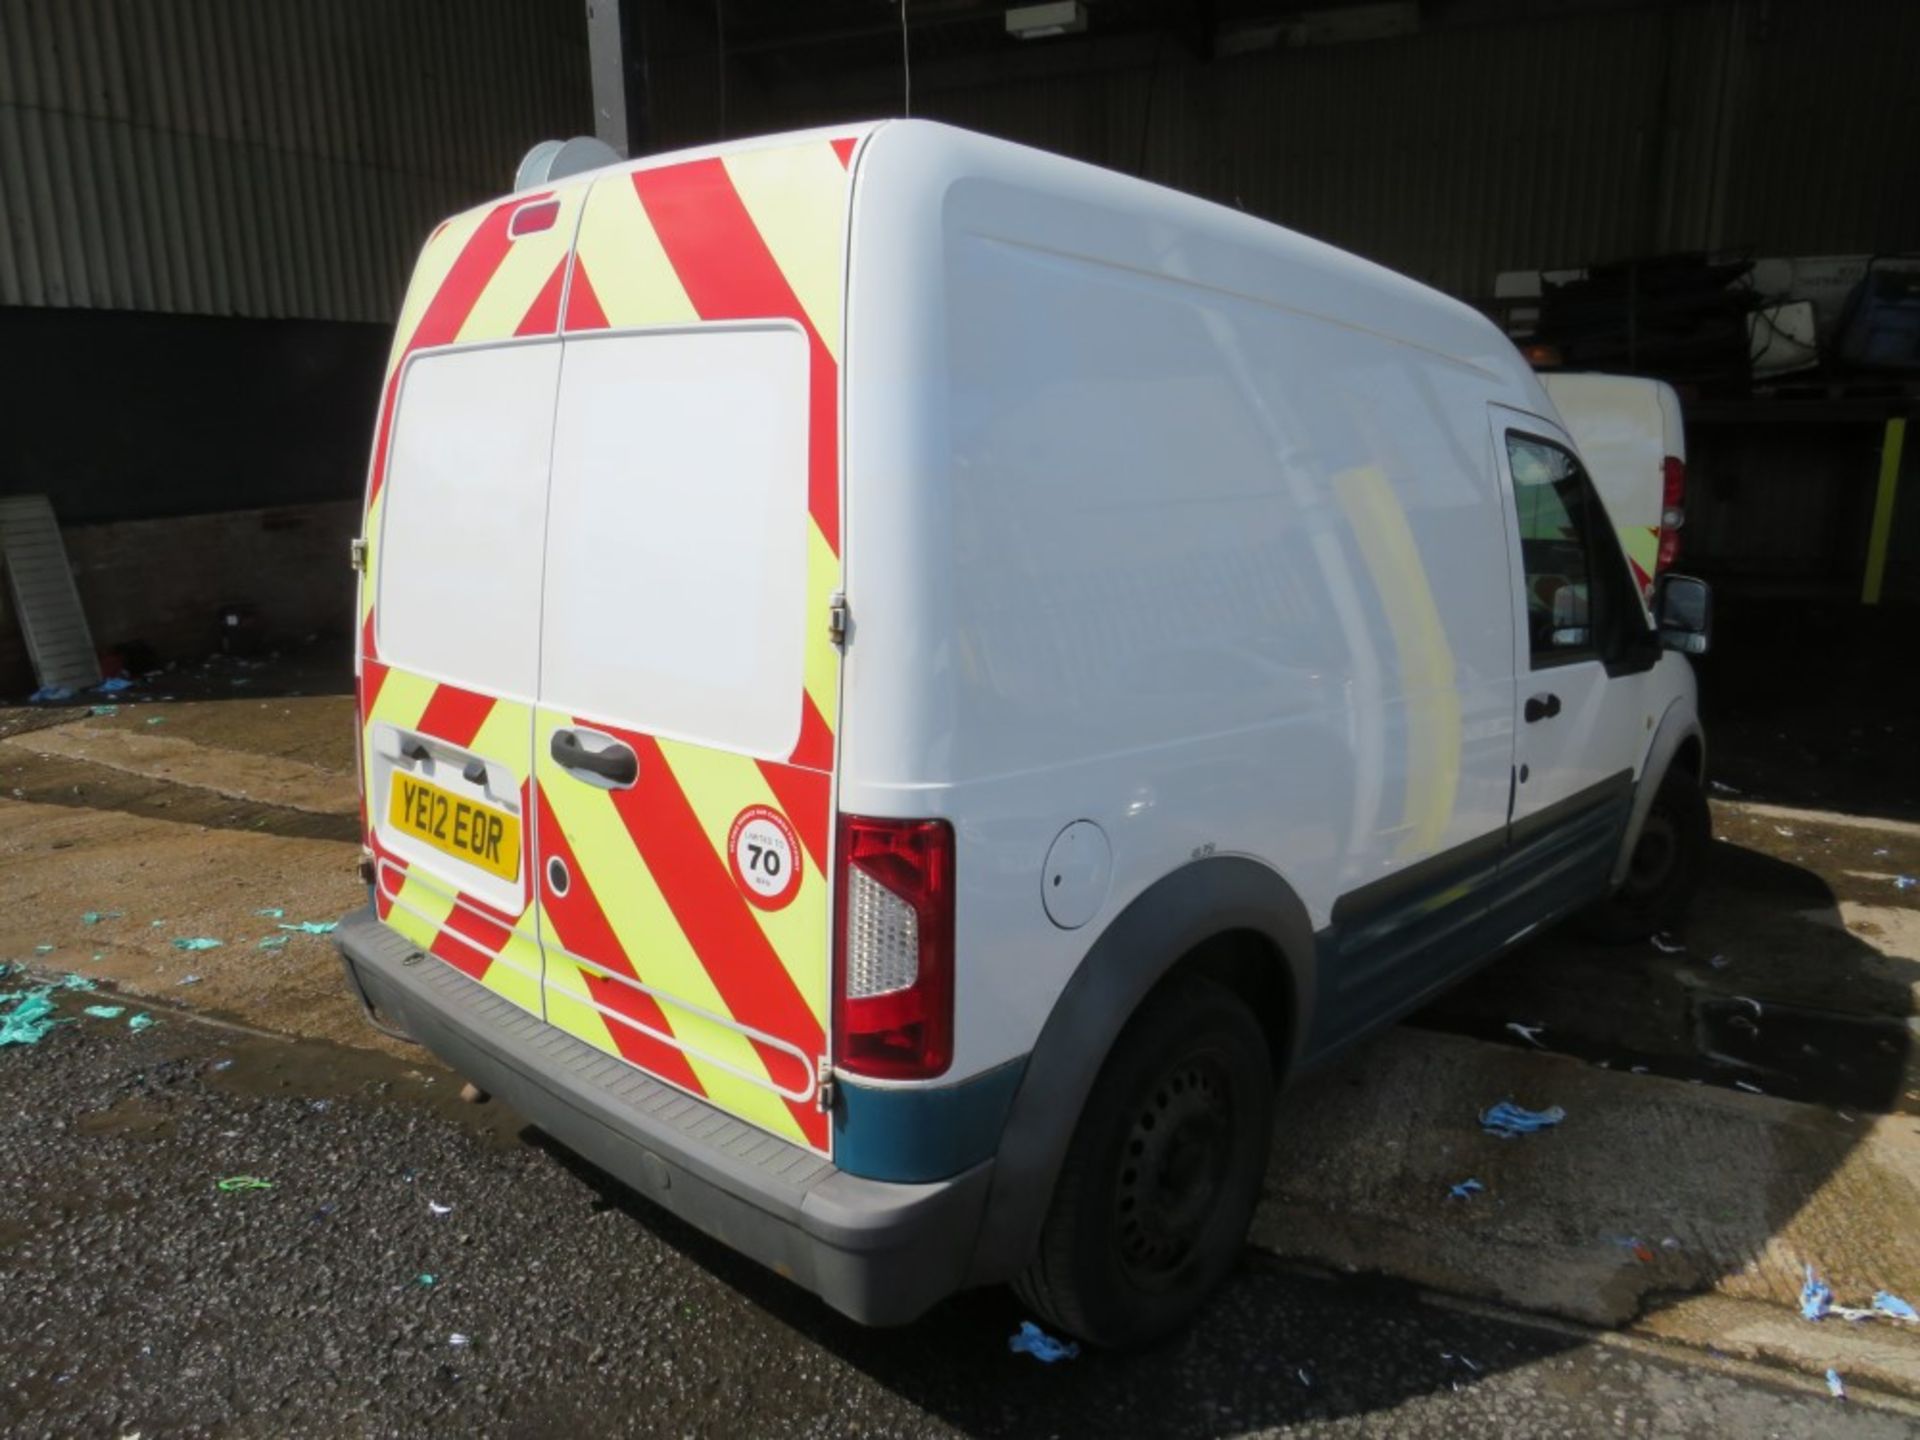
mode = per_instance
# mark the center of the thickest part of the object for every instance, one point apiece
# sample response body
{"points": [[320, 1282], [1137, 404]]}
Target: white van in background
{"points": [[1628, 430], [908, 684]]}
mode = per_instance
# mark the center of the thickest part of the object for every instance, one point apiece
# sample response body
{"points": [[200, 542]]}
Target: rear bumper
{"points": [[878, 1251]]}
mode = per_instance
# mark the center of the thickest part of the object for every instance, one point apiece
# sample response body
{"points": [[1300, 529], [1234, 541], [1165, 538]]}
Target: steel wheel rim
{"points": [[1173, 1168]]}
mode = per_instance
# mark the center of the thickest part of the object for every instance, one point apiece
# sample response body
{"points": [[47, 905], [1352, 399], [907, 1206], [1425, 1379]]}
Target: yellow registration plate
{"points": [[477, 834]]}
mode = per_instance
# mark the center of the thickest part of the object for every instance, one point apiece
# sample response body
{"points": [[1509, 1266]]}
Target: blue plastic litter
{"points": [[30, 1018], [48, 693], [43, 949], [188, 980], [273, 912], [1466, 1189], [197, 942], [103, 710], [1891, 1305], [313, 927], [1816, 1297], [77, 982], [142, 1021], [113, 686], [1030, 1339], [1836, 1387], [1904, 882], [106, 1012], [94, 917], [1507, 1120], [275, 942]]}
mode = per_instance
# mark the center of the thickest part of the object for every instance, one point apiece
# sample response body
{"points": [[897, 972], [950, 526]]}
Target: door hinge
{"points": [[365, 868], [837, 617], [357, 552], [823, 1092]]}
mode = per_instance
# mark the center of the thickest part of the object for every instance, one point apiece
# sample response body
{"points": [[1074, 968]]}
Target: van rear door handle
{"points": [[616, 764], [1541, 707]]}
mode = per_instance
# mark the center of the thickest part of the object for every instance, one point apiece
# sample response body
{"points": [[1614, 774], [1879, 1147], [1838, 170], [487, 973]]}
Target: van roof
{"points": [[1309, 276]]}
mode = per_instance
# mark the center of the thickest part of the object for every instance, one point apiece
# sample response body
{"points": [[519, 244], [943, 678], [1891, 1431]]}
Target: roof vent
{"points": [[552, 160]]}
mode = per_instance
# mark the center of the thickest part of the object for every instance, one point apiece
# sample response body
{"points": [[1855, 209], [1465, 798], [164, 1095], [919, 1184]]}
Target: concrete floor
{"points": [[1641, 1262]]}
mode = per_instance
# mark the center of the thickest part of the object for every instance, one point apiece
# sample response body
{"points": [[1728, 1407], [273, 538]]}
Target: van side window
{"points": [[1569, 555]]}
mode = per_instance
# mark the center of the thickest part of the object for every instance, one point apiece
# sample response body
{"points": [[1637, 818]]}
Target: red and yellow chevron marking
{"points": [[475, 281], [751, 236], [741, 992], [651, 953], [499, 949]]}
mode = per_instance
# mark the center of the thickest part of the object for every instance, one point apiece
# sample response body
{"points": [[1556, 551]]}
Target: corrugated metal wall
{"points": [[274, 158], [1784, 125]]}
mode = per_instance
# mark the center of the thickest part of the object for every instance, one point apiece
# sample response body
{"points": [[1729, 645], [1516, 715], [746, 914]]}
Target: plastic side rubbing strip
{"points": [[1180, 911], [876, 1251]]}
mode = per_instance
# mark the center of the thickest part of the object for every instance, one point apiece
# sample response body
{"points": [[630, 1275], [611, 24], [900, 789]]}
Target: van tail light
{"points": [[893, 953], [1673, 511]]}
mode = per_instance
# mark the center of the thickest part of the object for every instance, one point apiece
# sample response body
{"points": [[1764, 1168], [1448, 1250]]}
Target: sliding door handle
{"points": [[1541, 707]]}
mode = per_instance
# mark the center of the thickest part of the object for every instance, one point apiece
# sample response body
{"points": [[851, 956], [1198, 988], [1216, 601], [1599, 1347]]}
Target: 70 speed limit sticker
{"points": [[764, 853]]}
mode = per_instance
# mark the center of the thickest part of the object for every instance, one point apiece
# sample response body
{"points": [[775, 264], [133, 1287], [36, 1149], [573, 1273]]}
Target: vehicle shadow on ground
{"points": [[1281, 1345], [1277, 1346]]}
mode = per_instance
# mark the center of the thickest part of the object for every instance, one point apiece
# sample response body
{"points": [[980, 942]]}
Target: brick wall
{"points": [[162, 583]]}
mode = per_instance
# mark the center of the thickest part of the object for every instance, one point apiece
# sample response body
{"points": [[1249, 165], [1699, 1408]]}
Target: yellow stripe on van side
{"points": [[625, 262], [718, 786], [1426, 659], [640, 919], [821, 674], [528, 265], [796, 197]]}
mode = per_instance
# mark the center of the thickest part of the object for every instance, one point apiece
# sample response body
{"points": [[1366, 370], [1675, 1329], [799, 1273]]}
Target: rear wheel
{"points": [[1160, 1181], [1663, 871]]}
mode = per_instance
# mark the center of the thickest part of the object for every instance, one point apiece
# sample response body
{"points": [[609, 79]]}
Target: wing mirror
{"points": [[1683, 613]]}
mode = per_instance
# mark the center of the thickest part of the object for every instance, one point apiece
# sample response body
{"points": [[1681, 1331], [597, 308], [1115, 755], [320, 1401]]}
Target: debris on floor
{"points": [[313, 927], [437, 1208], [1466, 1189], [1816, 1297], [103, 711], [188, 980], [197, 942], [1666, 944], [1528, 1033], [71, 981], [94, 917], [457, 1340], [1836, 1387], [1030, 1339], [105, 1012], [1507, 1120], [29, 1020], [142, 1021], [244, 1182], [273, 912], [1892, 1306]]}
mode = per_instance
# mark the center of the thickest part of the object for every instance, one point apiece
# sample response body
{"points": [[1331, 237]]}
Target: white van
{"points": [[908, 684], [1629, 433]]}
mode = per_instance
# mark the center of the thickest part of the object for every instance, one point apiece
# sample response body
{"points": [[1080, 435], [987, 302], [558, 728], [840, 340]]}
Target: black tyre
{"points": [[1664, 870], [1159, 1184]]}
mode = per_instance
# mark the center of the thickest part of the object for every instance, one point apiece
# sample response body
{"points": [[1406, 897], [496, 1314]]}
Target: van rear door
{"points": [[450, 594], [683, 742]]}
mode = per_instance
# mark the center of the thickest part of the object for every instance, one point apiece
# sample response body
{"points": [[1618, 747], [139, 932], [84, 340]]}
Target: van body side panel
{"points": [[1160, 544], [1625, 428], [694, 547], [445, 728]]}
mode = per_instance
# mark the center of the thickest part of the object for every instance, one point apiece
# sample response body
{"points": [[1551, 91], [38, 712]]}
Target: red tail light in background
{"points": [[1673, 511], [893, 948]]}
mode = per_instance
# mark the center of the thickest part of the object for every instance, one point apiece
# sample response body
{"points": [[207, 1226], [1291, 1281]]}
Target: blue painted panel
{"points": [[922, 1133]]}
